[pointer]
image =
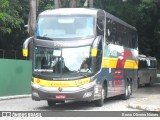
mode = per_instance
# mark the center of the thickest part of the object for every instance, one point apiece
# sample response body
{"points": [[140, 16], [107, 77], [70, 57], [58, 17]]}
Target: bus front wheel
{"points": [[99, 103]]}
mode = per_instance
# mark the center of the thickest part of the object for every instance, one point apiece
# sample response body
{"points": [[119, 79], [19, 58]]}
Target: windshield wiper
{"points": [[36, 74], [43, 37]]}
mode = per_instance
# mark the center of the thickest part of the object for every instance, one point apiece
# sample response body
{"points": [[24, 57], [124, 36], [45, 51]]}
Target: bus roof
{"points": [[144, 57], [84, 11], [70, 11]]}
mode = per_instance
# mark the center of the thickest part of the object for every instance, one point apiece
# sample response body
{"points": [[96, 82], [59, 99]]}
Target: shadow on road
{"points": [[71, 106]]}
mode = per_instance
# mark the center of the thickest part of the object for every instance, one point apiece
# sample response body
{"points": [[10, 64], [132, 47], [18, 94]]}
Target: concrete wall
{"points": [[15, 77]]}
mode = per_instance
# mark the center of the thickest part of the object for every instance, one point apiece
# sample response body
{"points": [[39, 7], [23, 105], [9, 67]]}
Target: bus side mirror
{"points": [[25, 52], [25, 46], [94, 52], [94, 49]]}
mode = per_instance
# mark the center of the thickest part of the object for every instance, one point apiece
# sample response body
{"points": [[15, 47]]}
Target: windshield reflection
{"points": [[63, 61]]}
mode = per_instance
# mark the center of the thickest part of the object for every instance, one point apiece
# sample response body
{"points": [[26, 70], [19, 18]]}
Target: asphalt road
{"points": [[111, 104]]}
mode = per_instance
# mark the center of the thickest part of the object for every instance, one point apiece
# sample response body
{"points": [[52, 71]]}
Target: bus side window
{"points": [[114, 31], [108, 30], [99, 56], [119, 34], [100, 25], [140, 64]]}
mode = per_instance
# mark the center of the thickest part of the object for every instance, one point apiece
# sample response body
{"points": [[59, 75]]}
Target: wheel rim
{"points": [[129, 89], [102, 93]]}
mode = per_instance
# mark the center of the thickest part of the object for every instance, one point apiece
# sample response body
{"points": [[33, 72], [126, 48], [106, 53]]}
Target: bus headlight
{"points": [[96, 90], [35, 94], [36, 86]]}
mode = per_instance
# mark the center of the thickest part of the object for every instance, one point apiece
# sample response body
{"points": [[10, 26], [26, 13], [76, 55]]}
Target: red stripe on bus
{"points": [[122, 58]]}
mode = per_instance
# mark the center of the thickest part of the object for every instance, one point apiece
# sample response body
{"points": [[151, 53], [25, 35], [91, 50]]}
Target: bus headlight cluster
{"points": [[96, 90], [36, 86], [35, 94]]}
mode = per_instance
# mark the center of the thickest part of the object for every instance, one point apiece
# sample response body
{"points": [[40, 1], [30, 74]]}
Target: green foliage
{"points": [[13, 16], [9, 17], [45, 4], [143, 14]]}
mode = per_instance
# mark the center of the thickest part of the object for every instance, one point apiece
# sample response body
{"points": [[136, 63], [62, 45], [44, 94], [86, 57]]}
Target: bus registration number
{"points": [[60, 97]]}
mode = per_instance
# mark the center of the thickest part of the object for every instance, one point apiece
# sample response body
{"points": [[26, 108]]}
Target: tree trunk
{"points": [[73, 3], [37, 5], [91, 3], [86, 3], [32, 17], [57, 4]]}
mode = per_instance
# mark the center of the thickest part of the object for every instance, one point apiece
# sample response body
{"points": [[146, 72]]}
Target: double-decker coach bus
{"points": [[147, 70], [82, 54]]}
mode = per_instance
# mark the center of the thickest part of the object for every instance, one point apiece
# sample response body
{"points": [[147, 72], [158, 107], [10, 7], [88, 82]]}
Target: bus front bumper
{"points": [[81, 93]]}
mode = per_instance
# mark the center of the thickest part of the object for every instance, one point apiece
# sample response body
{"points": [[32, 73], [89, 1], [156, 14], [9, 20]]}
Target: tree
{"points": [[32, 17], [91, 3], [57, 3], [73, 3], [144, 15], [9, 17], [12, 18]]}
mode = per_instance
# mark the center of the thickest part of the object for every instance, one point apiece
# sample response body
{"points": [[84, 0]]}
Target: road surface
{"points": [[111, 104]]}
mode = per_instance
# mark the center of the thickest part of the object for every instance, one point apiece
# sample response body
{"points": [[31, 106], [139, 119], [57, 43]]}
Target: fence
{"points": [[11, 54], [15, 77]]}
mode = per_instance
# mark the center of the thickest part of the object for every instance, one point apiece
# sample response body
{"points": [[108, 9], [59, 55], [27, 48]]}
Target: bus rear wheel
{"points": [[128, 91], [150, 84], [51, 103], [138, 83]]}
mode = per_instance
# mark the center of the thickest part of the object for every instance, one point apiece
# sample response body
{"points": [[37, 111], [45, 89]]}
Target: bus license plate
{"points": [[60, 97]]}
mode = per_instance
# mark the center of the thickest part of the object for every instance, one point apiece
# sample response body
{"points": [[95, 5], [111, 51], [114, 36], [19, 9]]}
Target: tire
{"points": [[150, 84], [100, 102], [51, 103], [128, 91], [138, 83]]}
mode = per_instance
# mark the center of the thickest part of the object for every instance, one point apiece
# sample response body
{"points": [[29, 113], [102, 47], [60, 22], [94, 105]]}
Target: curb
{"points": [[15, 97], [142, 104]]}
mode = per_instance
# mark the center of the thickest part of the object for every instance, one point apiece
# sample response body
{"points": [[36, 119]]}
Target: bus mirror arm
{"points": [[25, 46], [95, 46], [96, 42]]}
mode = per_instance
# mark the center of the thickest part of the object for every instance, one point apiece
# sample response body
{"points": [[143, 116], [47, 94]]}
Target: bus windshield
{"points": [[68, 26], [63, 62]]}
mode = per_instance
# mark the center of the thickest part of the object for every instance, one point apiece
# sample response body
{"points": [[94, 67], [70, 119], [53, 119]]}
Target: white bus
{"points": [[68, 40], [147, 70]]}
